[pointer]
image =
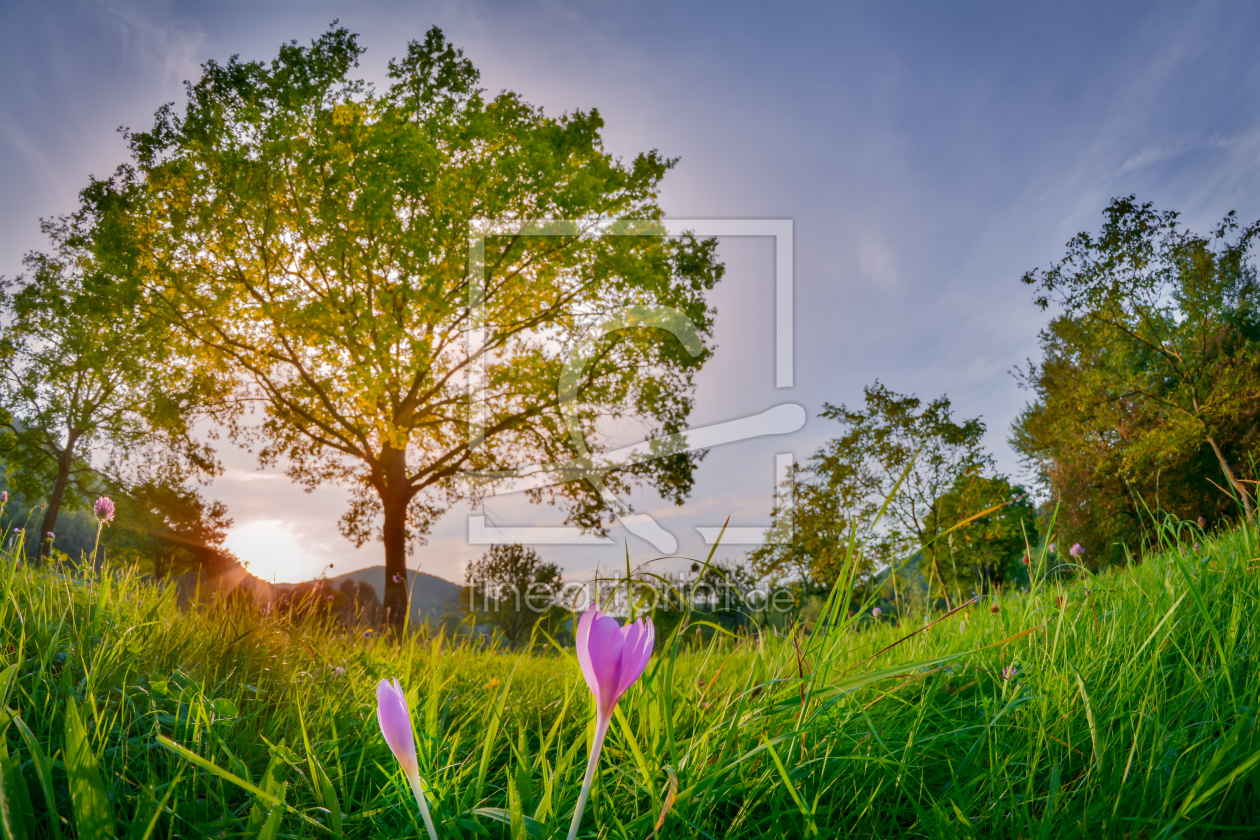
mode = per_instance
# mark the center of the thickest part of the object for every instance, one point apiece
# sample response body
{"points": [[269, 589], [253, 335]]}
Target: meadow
{"points": [[1118, 705]]}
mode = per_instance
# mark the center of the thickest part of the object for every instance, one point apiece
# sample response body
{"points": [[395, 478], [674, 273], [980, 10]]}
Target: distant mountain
{"points": [[431, 596]]}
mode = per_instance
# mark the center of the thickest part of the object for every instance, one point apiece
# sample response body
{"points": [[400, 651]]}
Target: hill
{"points": [[431, 596]]}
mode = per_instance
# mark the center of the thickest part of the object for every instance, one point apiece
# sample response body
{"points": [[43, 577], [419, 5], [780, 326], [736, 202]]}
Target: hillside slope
{"points": [[431, 596]]}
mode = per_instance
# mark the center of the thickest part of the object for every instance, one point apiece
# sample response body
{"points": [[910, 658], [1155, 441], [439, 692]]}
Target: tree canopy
{"points": [[1149, 391], [511, 588], [308, 237], [893, 449], [986, 526], [84, 380]]}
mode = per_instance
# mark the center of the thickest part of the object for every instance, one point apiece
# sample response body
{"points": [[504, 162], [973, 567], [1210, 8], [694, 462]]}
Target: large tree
{"points": [[314, 239], [84, 382], [1150, 382]]}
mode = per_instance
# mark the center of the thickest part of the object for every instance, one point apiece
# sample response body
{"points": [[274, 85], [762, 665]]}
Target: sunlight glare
{"points": [[271, 550]]}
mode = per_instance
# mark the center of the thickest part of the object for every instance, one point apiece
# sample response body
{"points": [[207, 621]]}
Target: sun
{"points": [[272, 551]]}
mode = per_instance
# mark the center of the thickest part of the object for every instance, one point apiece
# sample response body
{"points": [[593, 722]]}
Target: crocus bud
{"points": [[395, 720], [104, 509], [612, 657]]}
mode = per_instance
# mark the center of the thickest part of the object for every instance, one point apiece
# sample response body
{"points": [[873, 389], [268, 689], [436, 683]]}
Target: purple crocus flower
{"points": [[104, 509], [395, 720], [612, 658], [1076, 550]]}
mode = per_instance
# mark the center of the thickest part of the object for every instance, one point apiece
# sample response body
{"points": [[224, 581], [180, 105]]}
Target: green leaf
{"points": [[7, 678], [12, 797], [42, 771], [533, 828], [224, 708], [228, 776], [93, 812]]}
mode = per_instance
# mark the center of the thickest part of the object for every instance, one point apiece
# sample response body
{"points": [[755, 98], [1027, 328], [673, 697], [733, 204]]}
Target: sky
{"points": [[926, 155]]}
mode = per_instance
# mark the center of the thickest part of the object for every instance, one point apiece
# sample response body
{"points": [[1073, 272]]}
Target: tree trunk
{"points": [[1229, 476], [395, 494], [64, 459], [936, 570]]}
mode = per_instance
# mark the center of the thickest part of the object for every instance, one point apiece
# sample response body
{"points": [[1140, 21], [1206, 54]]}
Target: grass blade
{"points": [[93, 812]]}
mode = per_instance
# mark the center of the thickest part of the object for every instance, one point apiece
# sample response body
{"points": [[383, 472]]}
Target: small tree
{"points": [[511, 588], [84, 381], [824, 509], [894, 449], [985, 552], [171, 529]]}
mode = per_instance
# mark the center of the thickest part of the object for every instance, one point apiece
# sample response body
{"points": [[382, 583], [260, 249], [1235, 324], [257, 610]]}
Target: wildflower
{"points": [[1076, 550], [1009, 672], [492, 685], [995, 608], [877, 612], [397, 578], [962, 628], [104, 509], [4, 498], [1196, 546], [612, 658], [1052, 548], [367, 634], [50, 536], [1087, 593], [1202, 521], [1024, 560], [330, 599], [339, 671], [395, 720]]}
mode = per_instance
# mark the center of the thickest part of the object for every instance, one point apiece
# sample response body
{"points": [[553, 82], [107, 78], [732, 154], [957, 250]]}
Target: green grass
{"points": [[1133, 715]]}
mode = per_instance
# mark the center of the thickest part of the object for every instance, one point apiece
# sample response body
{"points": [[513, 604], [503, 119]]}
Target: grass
{"points": [[1133, 714]]}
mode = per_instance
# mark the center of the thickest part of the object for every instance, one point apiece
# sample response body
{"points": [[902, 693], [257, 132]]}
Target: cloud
{"points": [[876, 261], [169, 48]]}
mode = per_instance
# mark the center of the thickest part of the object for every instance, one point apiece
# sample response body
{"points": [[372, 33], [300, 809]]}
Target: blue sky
{"points": [[928, 155]]}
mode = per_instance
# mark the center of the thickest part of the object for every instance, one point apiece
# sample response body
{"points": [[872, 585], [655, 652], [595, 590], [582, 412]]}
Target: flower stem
{"points": [[601, 729], [100, 526], [417, 787]]}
